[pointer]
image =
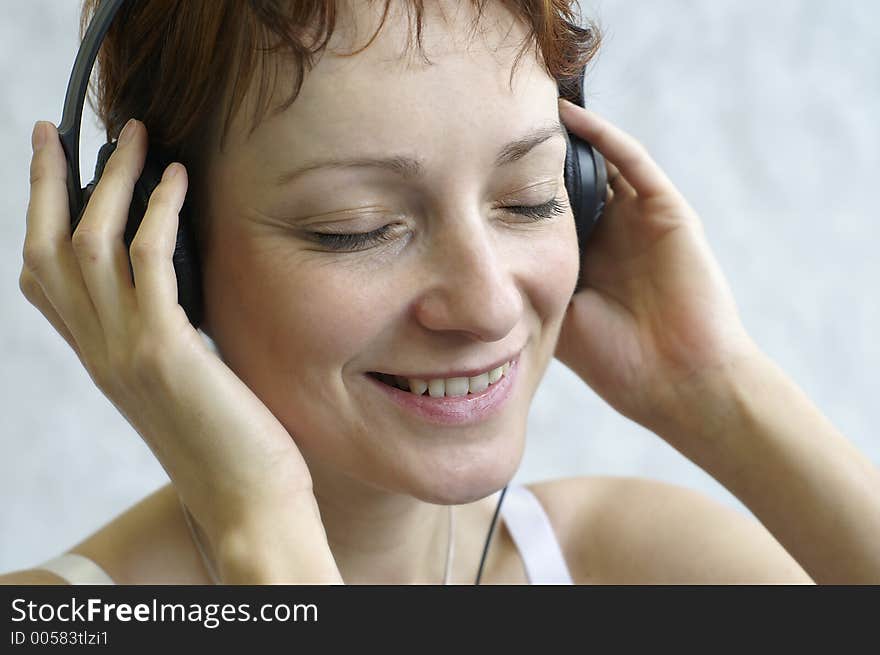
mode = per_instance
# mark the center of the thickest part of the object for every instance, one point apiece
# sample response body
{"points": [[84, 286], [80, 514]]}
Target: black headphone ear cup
{"points": [[586, 180], [185, 257]]}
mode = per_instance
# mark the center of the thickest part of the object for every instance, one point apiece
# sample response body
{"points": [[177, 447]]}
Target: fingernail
{"points": [[127, 132], [38, 136], [170, 172]]}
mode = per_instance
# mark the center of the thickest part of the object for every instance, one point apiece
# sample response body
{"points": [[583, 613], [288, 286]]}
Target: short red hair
{"points": [[176, 65]]}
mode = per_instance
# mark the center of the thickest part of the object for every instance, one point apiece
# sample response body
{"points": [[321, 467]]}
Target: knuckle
{"points": [[86, 243], [36, 255], [144, 251], [28, 285], [39, 169]]}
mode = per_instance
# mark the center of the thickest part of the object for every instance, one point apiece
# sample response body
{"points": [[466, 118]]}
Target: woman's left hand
{"points": [[655, 323]]}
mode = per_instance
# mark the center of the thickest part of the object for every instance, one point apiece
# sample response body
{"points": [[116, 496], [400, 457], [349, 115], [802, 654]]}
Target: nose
{"points": [[472, 286]]}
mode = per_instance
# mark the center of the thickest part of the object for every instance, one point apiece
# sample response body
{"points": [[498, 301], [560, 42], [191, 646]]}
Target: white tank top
{"points": [[521, 512]]}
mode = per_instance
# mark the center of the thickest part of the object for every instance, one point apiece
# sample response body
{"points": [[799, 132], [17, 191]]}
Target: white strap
{"points": [[533, 535], [76, 569]]}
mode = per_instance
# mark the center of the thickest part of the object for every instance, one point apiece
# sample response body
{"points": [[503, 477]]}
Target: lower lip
{"points": [[455, 410]]}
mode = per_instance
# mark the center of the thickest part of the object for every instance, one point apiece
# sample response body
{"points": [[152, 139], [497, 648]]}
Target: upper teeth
{"points": [[453, 386]]}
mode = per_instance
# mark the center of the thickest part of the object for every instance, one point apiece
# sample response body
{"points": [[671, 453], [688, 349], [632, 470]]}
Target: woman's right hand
{"points": [[233, 464]]}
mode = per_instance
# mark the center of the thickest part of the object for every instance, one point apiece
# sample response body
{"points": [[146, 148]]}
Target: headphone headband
{"points": [[77, 87]]}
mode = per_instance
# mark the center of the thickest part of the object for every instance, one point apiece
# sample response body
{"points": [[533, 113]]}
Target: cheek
{"points": [[320, 314], [272, 310], [552, 270], [333, 313], [287, 326]]}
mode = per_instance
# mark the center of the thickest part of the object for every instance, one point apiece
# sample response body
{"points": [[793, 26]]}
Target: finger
{"points": [[32, 290], [617, 183], [621, 149], [47, 252], [153, 248], [98, 240]]}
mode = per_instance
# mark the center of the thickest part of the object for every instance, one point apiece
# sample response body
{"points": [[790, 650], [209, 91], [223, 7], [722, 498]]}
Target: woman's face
{"points": [[457, 283]]}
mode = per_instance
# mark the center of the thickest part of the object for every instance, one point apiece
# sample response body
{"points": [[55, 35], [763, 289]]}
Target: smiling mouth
{"points": [[450, 388]]}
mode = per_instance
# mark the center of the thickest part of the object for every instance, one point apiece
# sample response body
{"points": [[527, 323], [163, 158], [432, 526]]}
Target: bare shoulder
{"points": [[149, 543], [629, 530]]}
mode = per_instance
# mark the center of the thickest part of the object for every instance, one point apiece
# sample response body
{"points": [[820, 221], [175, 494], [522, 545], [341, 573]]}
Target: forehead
{"points": [[388, 97]]}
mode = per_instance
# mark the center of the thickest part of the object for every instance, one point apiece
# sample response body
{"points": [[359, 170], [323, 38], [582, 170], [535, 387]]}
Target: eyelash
{"points": [[358, 240]]}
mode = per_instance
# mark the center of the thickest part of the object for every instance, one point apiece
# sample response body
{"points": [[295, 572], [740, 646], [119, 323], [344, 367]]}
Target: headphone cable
{"points": [[489, 536]]}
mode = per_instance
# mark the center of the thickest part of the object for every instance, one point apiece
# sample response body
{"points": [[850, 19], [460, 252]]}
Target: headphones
{"points": [[585, 181]]}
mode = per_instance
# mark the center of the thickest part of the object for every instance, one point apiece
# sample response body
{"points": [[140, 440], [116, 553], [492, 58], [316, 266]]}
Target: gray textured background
{"points": [[766, 116]]}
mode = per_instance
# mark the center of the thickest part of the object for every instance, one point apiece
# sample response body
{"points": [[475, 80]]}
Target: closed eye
{"points": [[351, 242], [538, 212]]}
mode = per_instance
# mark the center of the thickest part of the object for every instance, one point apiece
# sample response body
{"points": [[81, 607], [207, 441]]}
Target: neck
{"points": [[403, 549]]}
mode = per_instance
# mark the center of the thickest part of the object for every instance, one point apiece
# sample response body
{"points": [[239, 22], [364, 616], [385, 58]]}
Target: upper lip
{"points": [[459, 373]]}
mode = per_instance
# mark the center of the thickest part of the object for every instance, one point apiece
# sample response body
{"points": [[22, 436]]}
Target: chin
{"points": [[467, 476]]}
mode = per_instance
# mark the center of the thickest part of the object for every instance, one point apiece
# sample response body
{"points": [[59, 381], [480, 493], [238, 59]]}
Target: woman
{"points": [[297, 462]]}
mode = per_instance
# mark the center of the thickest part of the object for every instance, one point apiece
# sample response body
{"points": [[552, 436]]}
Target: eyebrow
{"points": [[412, 168]]}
